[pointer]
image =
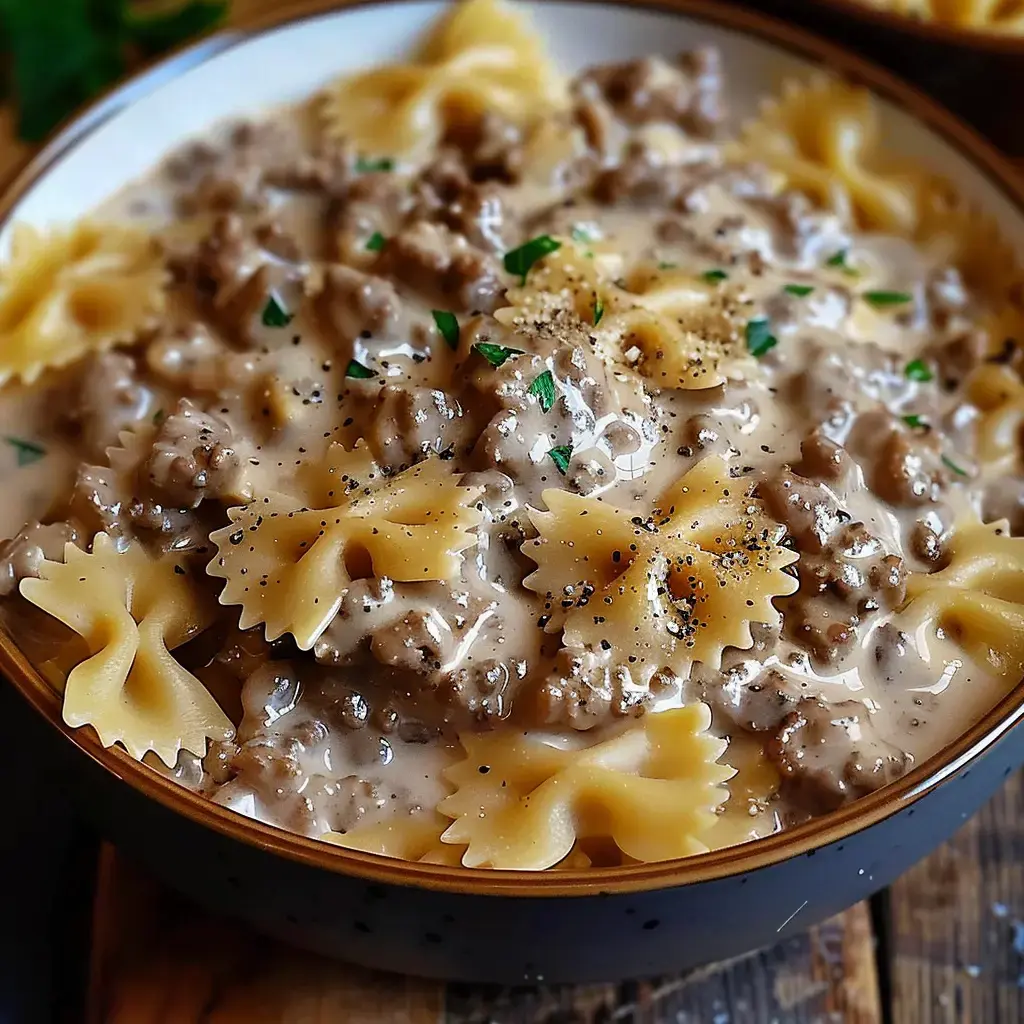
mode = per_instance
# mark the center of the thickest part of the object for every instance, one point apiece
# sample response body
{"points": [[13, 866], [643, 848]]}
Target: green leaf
{"points": [[28, 452], [543, 387], [274, 314], [448, 325], [375, 242], [519, 261], [496, 355], [366, 165], [914, 420], [714, 276], [358, 371], [840, 261], [883, 299], [953, 466], [799, 290], [760, 339], [917, 369], [156, 33], [560, 456], [598, 311]]}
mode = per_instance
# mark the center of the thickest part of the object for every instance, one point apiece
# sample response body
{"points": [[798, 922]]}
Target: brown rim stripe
{"points": [[735, 860]]}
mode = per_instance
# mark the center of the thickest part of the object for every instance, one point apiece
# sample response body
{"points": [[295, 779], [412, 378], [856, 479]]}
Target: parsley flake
{"points": [[840, 261], [714, 276], [367, 165], [917, 369], [760, 339], [799, 290], [953, 466], [560, 456], [274, 314], [28, 451], [915, 421], [882, 299], [543, 387], [496, 355], [598, 310], [448, 326], [375, 242], [357, 370], [667, 266], [519, 261]]}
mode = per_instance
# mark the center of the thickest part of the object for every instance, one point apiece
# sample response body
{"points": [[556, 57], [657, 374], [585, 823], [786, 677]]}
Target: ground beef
{"points": [[407, 424], [195, 455], [491, 148], [370, 204], [108, 398], [445, 268], [22, 555], [353, 304], [803, 233], [687, 92], [644, 179]]}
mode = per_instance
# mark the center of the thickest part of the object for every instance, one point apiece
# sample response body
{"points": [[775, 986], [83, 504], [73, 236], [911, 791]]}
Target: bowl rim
{"points": [[803, 840], [969, 39]]}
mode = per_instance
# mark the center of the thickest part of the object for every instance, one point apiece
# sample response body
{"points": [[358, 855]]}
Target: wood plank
{"points": [[958, 923], [159, 960]]}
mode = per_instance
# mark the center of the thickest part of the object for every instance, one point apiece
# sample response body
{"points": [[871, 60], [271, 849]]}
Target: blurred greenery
{"points": [[56, 54]]}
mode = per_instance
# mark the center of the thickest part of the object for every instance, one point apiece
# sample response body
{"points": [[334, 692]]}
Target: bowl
{"points": [[480, 925]]}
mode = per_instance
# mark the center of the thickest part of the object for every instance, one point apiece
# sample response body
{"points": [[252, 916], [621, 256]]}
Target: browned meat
{"points": [[195, 456], [823, 459], [443, 266], [110, 398], [353, 304], [373, 203], [643, 178], [21, 556], [407, 424], [687, 92], [491, 148], [803, 232]]}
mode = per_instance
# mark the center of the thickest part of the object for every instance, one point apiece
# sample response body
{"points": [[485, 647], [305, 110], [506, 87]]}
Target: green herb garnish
{"points": [[883, 299], [667, 266], [839, 260], [799, 290], [543, 387], [365, 165], [496, 355], [760, 339], [448, 326], [714, 276], [915, 421], [56, 55], [581, 235], [560, 456], [953, 466], [375, 242], [274, 314], [28, 452], [917, 369], [357, 370], [519, 261], [598, 311]]}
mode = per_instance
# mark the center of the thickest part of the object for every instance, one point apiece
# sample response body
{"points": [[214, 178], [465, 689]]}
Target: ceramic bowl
{"points": [[500, 926]]}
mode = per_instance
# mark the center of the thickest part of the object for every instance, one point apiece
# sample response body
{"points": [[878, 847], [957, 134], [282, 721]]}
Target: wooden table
{"points": [[944, 945]]}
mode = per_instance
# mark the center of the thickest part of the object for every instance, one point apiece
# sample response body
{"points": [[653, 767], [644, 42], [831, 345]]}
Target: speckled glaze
{"points": [[515, 927]]}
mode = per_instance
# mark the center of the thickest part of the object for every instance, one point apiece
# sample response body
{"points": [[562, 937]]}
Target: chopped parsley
{"points": [[667, 266], [598, 310], [560, 456], [375, 242], [28, 451], [448, 326], [953, 466], [714, 276], [840, 260], [882, 299], [496, 355], [799, 290], [760, 339], [357, 370], [519, 261], [366, 165], [274, 314], [543, 387], [915, 421], [917, 369]]}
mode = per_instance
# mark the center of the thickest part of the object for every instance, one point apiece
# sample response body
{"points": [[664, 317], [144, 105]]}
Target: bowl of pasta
{"points": [[517, 492]]}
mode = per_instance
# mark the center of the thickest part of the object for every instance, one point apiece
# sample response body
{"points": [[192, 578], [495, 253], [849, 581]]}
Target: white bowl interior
{"points": [[292, 61]]}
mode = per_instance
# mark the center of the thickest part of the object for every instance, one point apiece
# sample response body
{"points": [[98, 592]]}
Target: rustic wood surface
{"points": [[945, 945]]}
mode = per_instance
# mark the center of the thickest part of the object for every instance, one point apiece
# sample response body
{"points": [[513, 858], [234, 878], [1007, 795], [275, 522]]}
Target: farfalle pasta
{"points": [[501, 469], [66, 293], [971, 15]]}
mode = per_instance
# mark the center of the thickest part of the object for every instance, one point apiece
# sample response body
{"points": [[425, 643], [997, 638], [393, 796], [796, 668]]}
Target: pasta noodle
{"points": [[989, 15], [676, 586], [654, 790], [998, 393], [288, 565], [481, 59], [71, 292], [132, 610]]}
